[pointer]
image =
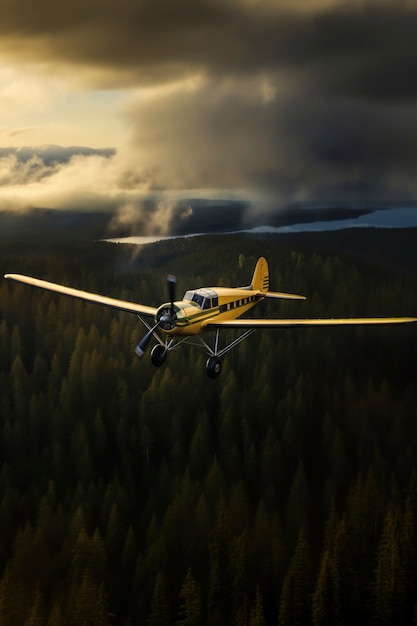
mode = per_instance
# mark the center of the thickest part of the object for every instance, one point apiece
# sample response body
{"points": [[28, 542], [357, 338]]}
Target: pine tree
{"points": [[159, 613], [408, 541], [390, 584], [190, 605], [199, 455], [130, 550], [294, 609], [36, 615], [256, 614], [297, 511], [114, 535], [16, 343], [240, 577], [325, 601], [90, 605], [219, 574], [20, 384], [146, 440], [363, 518], [13, 598], [260, 545], [56, 617]]}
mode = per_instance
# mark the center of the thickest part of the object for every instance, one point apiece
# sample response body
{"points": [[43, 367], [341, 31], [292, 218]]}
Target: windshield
{"points": [[204, 298]]}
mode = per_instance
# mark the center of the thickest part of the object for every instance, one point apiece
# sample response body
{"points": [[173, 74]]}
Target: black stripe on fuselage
{"points": [[235, 304]]}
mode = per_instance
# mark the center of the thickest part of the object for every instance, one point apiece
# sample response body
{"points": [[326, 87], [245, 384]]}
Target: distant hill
{"points": [[385, 247], [45, 226]]}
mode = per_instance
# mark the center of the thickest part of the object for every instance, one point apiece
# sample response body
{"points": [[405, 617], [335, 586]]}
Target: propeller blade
{"points": [[172, 288], [144, 342], [164, 319]]}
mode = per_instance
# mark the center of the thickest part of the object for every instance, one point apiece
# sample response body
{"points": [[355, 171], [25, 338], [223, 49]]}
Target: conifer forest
{"points": [[282, 493]]}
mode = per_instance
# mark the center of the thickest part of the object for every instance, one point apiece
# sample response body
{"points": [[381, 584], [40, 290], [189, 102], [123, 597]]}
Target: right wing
{"points": [[95, 298], [294, 323]]}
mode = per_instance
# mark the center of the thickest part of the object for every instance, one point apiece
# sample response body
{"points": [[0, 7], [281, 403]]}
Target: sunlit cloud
{"points": [[17, 85], [82, 182]]}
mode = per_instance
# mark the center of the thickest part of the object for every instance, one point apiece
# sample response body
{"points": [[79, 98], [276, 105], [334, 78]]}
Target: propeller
{"points": [[144, 342], [172, 288], [166, 318]]}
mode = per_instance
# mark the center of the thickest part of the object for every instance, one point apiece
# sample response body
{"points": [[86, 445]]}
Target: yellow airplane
{"points": [[204, 309]]}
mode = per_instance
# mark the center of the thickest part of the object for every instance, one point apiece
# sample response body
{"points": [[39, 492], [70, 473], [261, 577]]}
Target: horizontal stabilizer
{"points": [[281, 296]]}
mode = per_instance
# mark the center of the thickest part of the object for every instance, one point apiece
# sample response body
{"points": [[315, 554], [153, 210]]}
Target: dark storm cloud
{"points": [[366, 48], [368, 52], [306, 101], [296, 145]]}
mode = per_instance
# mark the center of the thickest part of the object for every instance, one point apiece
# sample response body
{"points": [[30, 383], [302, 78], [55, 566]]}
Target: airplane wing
{"points": [[294, 323], [95, 298]]}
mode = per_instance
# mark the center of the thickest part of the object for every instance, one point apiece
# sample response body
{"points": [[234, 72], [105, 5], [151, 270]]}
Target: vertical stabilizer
{"points": [[260, 278]]}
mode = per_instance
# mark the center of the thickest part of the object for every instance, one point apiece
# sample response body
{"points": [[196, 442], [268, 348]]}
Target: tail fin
{"points": [[260, 278]]}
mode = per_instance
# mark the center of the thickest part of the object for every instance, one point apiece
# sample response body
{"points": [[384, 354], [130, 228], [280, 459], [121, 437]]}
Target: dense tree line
{"points": [[284, 492]]}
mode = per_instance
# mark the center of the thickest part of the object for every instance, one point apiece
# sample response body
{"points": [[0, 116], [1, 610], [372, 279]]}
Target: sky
{"points": [[276, 102]]}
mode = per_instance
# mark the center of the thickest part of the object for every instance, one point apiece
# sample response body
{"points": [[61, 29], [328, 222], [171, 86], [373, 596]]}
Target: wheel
{"points": [[158, 355], [213, 366]]}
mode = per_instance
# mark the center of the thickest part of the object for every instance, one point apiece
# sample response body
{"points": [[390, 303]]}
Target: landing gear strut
{"points": [[213, 366], [160, 350]]}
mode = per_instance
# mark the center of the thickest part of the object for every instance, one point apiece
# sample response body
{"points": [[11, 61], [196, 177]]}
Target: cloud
{"points": [[160, 216], [69, 178], [289, 102], [16, 85], [52, 154], [8, 134], [135, 43], [281, 141]]}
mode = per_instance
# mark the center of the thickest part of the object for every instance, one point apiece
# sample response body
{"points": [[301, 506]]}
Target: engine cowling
{"points": [[166, 317]]}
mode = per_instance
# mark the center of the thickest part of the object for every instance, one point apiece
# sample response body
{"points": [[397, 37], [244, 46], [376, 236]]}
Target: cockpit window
{"points": [[199, 299], [194, 296], [205, 299]]}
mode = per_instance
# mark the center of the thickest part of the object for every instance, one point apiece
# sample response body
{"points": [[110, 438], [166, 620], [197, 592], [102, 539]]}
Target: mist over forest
{"points": [[284, 492]]}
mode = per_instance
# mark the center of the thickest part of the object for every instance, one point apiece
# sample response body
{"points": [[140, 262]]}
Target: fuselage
{"points": [[201, 305]]}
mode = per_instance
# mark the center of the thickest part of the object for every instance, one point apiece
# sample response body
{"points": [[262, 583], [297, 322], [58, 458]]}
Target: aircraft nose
{"points": [[166, 317]]}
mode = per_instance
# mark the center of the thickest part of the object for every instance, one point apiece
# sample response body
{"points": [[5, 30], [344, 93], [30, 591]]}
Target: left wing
{"points": [[293, 323], [95, 298]]}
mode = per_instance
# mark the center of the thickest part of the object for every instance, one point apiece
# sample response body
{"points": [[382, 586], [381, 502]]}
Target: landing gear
{"points": [[213, 367], [171, 342], [158, 355]]}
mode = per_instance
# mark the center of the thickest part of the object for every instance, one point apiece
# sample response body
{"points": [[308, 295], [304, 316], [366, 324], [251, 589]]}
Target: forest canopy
{"points": [[284, 492]]}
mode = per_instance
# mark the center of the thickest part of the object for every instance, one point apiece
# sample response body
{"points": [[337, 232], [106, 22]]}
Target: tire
{"points": [[158, 355], [213, 367]]}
